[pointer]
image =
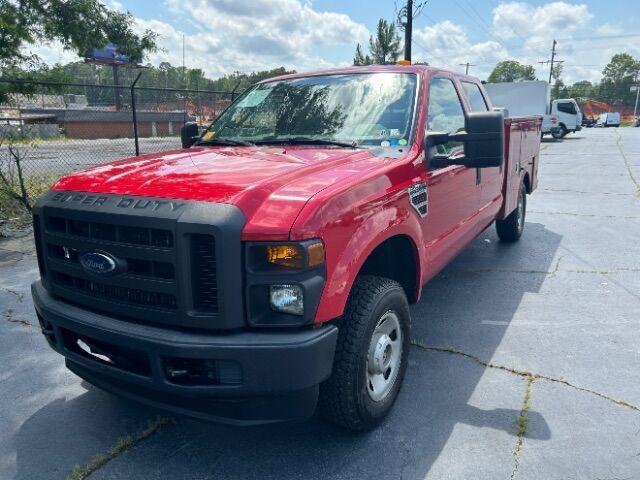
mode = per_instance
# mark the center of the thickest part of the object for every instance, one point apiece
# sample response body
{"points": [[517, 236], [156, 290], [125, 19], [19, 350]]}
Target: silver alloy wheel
{"points": [[521, 212], [383, 359]]}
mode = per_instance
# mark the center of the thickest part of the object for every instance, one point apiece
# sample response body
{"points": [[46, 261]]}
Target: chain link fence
{"points": [[48, 129]]}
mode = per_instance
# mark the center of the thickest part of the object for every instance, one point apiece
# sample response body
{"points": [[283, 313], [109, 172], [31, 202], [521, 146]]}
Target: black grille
{"points": [[37, 235], [116, 293], [126, 234], [144, 285], [203, 267], [161, 264], [134, 266]]}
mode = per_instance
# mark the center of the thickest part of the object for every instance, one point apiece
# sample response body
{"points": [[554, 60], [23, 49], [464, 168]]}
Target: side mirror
{"points": [[483, 141], [189, 134], [485, 144]]}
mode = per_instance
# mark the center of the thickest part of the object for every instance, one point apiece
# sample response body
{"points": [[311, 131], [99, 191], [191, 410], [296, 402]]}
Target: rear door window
{"points": [[477, 103]]}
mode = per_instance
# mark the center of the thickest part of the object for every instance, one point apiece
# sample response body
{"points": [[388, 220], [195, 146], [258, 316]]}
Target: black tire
{"points": [[510, 229], [346, 397], [560, 133]]}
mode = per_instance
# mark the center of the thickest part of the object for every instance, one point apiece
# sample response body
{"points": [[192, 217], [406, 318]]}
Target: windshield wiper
{"points": [[225, 141], [304, 141]]}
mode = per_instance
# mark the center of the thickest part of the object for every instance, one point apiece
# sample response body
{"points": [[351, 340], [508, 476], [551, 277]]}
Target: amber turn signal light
{"points": [[293, 256]]}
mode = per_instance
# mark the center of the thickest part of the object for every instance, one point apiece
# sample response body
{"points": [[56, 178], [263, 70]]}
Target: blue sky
{"points": [[227, 35]]}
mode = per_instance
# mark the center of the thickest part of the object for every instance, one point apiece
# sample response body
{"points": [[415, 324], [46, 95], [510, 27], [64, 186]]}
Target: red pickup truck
{"points": [[268, 266]]}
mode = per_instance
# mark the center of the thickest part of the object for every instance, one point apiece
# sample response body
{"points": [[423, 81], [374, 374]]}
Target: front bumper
{"points": [[260, 377]]}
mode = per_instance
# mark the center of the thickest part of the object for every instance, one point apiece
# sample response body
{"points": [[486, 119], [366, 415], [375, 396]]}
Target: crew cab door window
{"points": [[445, 112], [475, 97]]}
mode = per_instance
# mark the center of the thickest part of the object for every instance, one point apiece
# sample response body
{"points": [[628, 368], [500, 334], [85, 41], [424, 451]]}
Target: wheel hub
{"points": [[381, 354], [385, 354]]}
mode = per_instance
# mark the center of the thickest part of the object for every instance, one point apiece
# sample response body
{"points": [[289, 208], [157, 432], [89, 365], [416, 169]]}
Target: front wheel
{"points": [[559, 133], [371, 355], [510, 229]]}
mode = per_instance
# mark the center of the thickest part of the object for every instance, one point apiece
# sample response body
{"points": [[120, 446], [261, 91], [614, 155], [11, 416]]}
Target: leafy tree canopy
{"points": [[80, 25], [622, 67], [511, 71], [384, 46]]}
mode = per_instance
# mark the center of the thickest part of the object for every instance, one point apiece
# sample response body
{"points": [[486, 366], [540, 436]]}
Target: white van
{"points": [[569, 115], [611, 119], [532, 98]]}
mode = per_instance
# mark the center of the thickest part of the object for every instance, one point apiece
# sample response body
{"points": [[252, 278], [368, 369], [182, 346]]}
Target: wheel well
{"points": [[527, 183], [395, 258]]}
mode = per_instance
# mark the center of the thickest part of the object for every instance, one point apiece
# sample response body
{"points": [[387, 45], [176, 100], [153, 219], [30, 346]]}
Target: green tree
{"points": [[511, 71], [360, 58], [384, 47], [618, 76], [558, 88], [80, 25], [581, 90]]}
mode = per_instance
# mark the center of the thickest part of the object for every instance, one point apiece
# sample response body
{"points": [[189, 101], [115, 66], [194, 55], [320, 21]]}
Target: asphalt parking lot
{"points": [[525, 364]]}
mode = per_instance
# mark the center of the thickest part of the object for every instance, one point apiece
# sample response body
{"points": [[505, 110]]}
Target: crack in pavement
{"points": [[504, 270], [522, 422], [585, 215], [8, 314], [122, 445], [563, 190], [32, 254], [627, 164], [524, 373], [20, 295]]}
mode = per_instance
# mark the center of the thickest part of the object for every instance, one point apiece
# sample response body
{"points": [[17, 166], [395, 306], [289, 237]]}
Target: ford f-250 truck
{"points": [[268, 266]]}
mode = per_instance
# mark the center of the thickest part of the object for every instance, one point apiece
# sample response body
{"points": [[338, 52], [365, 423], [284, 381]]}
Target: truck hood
{"points": [[269, 184]]}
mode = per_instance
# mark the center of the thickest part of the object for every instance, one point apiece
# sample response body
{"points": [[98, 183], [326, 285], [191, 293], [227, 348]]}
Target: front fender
{"points": [[345, 259]]}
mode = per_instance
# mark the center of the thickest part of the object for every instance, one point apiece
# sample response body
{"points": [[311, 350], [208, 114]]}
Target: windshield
{"points": [[352, 109]]}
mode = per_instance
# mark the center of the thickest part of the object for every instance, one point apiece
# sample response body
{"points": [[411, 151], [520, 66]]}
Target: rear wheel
{"points": [[510, 229], [371, 355]]}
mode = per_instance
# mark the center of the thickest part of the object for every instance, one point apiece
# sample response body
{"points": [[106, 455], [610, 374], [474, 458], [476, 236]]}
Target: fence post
{"points": [[233, 92], [135, 117]]}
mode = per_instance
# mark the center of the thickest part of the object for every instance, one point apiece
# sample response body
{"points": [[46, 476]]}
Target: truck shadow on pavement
{"points": [[469, 306]]}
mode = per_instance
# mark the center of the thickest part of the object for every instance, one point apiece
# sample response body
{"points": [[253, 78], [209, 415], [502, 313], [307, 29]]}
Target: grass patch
{"points": [[122, 445], [12, 211]]}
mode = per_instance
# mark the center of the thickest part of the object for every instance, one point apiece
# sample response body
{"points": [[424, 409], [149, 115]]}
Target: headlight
{"points": [[286, 256], [287, 299]]}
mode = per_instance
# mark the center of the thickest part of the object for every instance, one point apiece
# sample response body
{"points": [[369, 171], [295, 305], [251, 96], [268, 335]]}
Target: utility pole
{"points": [[553, 56], [408, 31], [635, 108], [466, 65]]}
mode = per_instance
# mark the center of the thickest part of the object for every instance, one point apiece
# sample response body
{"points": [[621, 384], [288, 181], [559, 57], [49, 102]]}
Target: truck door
{"points": [[453, 192], [490, 179]]}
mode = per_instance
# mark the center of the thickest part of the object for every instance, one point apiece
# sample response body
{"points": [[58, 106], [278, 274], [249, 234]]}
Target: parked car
{"points": [[269, 265], [589, 122], [533, 98], [610, 119]]}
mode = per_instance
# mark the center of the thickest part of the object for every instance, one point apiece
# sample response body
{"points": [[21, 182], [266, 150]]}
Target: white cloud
{"points": [[516, 19], [261, 34], [222, 36], [446, 45]]}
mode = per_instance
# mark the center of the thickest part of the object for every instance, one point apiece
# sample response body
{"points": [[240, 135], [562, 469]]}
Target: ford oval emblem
{"points": [[99, 263]]}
